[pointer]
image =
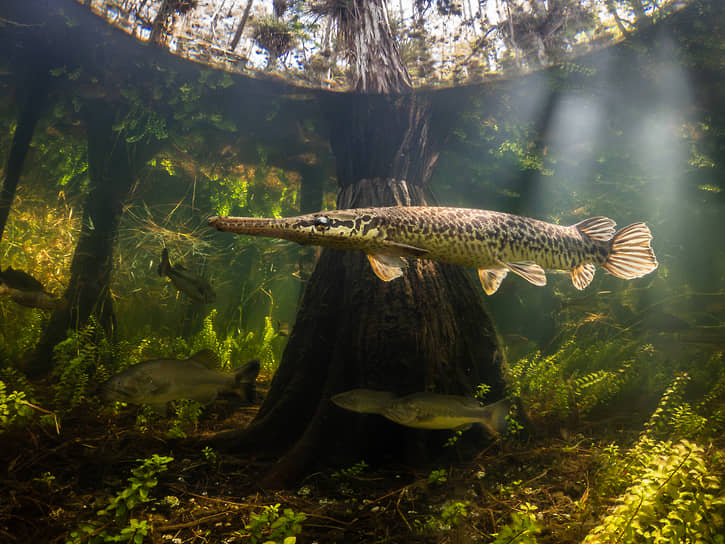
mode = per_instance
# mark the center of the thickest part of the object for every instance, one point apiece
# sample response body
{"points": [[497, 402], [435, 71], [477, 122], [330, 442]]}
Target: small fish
{"points": [[194, 287], [24, 289], [427, 410], [493, 242], [364, 401], [284, 328], [159, 381]]}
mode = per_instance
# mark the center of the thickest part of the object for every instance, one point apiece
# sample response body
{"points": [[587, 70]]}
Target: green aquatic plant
{"points": [[676, 418], [522, 529], [450, 514], [453, 439], [272, 526], [187, 416], [46, 478], [660, 421], [482, 390], [209, 455], [83, 361], [675, 496], [351, 472], [234, 348], [14, 408], [140, 123], [145, 417], [553, 387], [437, 477], [113, 523]]}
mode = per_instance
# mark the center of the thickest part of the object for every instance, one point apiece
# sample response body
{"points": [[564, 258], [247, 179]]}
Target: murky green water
{"points": [[617, 391]]}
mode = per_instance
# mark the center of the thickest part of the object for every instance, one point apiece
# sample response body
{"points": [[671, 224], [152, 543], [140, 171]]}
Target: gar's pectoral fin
{"points": [[390, 265], [528, 270], [404, 250], [491, 278], [582, 275], [387, 267]]}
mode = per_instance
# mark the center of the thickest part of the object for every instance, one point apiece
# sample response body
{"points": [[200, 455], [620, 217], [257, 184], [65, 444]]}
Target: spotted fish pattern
{"points": [[493, 242]]}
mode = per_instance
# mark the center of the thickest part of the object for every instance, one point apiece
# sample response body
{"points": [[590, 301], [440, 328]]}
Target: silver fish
{"points": [[427, 410], [437, 411], [196, 288], [493, 242], [159, 381]]}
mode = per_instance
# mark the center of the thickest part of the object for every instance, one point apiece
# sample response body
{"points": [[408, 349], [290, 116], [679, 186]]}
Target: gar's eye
{"points": [[321, 223]]}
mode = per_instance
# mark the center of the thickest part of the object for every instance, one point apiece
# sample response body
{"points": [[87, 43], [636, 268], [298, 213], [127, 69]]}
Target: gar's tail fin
{"points": [[164, 265], [631, 255]]}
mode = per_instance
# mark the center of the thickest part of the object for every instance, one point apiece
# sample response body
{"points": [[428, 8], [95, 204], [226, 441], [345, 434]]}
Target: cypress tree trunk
{"points": [[35, 91], [111, 178], [426, 331]]}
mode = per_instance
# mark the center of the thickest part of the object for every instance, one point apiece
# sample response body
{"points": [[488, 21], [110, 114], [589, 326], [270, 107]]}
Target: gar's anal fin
{"points": [[582, 275]]}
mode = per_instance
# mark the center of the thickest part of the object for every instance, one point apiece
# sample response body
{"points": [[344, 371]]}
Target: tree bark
{"points": [[35, 92], [427, 331], [240, 28], [111, 178]]}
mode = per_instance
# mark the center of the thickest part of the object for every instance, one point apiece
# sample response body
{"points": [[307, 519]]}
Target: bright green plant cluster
{"points": [[552, 388], [14, 408], [113, 523], [83, 361], [675, 496], [522, 529], [210, 455], [271, 526], [437, 477], [676, 418], [233, 349], [660, 421]]}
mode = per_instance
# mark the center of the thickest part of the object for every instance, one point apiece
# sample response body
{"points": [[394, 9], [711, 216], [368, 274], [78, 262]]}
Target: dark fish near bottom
{"points": [[159, 381], [24, 289]]}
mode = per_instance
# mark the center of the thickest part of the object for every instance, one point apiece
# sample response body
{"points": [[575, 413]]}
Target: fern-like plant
{"points": [[675, 498]]}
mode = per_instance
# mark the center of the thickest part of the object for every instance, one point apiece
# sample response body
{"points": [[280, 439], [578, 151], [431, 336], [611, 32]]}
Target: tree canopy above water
{"points": [[442, 43]]}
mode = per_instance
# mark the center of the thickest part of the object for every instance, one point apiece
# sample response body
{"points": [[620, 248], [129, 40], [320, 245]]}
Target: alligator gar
{"points": [[493, 242]]}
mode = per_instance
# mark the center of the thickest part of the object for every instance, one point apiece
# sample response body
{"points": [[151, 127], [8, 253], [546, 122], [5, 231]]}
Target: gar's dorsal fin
{"points": [[528, 270], [491, 278], [206, 357], [597, 228]]}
